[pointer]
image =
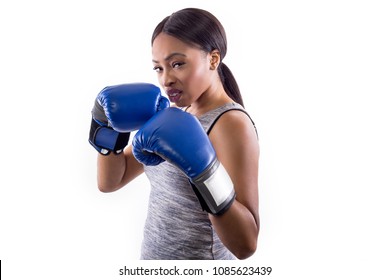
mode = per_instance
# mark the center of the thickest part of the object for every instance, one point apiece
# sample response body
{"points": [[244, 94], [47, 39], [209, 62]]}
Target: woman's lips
{"points": [[174, 95]]}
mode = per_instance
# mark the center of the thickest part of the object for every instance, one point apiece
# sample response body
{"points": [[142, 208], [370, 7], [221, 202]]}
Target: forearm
{"points": [[238, 230], [110, 171], [115, 171]]}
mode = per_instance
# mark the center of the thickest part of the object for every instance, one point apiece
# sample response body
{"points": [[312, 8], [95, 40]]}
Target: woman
{"points": [[188, 48]]}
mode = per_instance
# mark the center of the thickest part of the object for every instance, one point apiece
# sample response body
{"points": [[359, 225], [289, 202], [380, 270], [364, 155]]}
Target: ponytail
{"points": [[229, 84]]}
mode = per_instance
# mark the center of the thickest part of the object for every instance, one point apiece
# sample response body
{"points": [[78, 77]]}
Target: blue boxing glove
{"points": [[179, 138], [120, 109]]}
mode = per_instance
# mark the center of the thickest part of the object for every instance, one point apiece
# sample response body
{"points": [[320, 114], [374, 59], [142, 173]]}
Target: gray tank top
{"points": [[176, 227]]}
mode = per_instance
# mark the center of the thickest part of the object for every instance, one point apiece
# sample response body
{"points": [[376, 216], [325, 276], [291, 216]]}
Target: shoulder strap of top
{"points": [[221, 114]]}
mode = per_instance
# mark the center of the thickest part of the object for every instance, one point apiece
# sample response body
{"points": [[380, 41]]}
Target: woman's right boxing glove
{"points": [[120, 109]]}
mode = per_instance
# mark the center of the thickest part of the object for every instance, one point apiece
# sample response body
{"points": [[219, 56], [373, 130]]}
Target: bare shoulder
{"points": [[234, 126], [235, 141]]}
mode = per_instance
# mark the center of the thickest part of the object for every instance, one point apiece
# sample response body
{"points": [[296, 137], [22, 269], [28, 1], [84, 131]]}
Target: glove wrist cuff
{"points": [[214, 189], [105, 139]]}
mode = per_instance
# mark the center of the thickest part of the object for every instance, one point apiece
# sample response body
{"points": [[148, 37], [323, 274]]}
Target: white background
{"points": [[314, 76]]}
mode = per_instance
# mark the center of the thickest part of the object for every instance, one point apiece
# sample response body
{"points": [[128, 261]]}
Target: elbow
{"points": [[248, 246], [107, 185], [107, 188], [104, 189], [246, 250]]}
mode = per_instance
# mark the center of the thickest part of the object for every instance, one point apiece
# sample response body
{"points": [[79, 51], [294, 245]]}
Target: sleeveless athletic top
{"points": [[176, 227]]}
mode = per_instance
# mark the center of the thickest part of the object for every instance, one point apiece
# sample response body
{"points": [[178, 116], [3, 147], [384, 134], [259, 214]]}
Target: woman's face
{"points": [[183, 70]]}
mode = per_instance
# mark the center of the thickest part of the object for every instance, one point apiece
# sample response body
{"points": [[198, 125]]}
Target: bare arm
{"points": [[236, 145], [115, 171]]}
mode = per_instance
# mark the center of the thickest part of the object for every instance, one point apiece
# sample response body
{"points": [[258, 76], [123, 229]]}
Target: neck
{"points": [[211, 99]]}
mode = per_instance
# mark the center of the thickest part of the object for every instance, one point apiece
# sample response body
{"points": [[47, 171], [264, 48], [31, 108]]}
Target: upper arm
{"points": [[234, 139]]}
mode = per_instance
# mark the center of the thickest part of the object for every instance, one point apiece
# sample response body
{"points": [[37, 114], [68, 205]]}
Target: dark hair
{"points": [[202, 29]]}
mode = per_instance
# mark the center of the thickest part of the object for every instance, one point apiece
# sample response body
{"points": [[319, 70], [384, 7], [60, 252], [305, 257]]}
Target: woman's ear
{"points": [[215, 59]]}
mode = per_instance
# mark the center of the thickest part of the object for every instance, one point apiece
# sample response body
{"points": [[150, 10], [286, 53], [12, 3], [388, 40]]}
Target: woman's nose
{"points": [[168, 79]]}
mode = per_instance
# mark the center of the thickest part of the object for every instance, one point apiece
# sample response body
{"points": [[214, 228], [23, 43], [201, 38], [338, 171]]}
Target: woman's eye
{"points": [[157, 69], [177, 64]]}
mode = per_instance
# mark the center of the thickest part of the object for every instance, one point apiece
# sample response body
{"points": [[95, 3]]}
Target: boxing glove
{"points": [[120, 109], [179, 138]]}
